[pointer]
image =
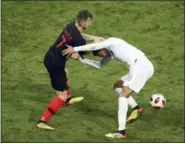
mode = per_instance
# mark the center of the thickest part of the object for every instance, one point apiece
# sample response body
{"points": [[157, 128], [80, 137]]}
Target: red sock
{"points": [[68, 93], [52, 108]]}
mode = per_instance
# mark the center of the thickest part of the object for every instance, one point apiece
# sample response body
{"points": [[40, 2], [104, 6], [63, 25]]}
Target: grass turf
{"points": [[30, 27]]}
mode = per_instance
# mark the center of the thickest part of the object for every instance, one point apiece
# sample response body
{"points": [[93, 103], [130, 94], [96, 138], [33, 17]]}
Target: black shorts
{"points": [[57, 75]]}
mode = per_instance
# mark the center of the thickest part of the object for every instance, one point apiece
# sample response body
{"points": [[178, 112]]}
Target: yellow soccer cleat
{"points": [[44, 126], [117, 135], [134, 115], [75, 100]]}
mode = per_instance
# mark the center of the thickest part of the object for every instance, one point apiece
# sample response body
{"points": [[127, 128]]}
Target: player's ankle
{"points": [[42, 121], [68, 99], [123, 132]]}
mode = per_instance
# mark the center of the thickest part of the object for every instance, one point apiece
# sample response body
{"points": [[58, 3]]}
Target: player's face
{"points": [[85, 23]]}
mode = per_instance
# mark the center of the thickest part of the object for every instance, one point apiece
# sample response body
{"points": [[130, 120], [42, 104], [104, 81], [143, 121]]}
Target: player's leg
{"points": [[51, 109], [58, 81], [134, 83], [122, 114], [70, 100], [69, 95], [142, 72], [135, 114], [68, 87], [136, 109], [118, 88]]}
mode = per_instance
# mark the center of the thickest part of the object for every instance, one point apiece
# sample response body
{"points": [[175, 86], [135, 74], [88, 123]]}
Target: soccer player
{"points": [[55, 64], [140, 71], [136, 109]]}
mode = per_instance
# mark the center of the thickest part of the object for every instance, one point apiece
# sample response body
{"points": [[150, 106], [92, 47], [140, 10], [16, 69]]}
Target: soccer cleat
{"points": [[44, 126], [75, 100], [134, 115], [117, 135]]}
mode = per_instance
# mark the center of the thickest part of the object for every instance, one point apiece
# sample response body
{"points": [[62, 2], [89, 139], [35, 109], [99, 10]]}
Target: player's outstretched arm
{"points": [[91, 38], [88, 47], [96, 64], [93, 46]]}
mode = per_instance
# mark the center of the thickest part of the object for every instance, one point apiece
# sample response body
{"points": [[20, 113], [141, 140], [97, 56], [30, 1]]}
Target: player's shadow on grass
{"points": [[91, 104], [92, 107]]}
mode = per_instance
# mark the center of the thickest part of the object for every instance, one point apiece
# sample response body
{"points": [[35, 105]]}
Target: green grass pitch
{"points": [[30, 27]]}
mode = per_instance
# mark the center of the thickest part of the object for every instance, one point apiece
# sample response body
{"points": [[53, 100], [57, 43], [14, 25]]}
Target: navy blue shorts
{"points": [[57, 74]]}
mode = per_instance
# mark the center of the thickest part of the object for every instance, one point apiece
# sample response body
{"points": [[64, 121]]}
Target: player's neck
{"points": [[78, 27]]}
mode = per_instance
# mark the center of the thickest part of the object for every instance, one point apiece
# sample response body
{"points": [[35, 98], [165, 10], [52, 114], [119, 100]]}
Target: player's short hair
{"points": [[83, 15]]}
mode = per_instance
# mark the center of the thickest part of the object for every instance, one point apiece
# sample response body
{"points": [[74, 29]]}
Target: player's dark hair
{"points": [[95, 53], [83, 15], [82, 53]]}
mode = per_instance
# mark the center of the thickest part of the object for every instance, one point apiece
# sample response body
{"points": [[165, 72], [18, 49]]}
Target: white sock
{"points": [[122, 112], [118, 90], [132, 102]]}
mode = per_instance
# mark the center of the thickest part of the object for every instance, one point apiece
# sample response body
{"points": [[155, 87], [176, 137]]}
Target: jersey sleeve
{"points": [[77, 39], [80, 42], [97, 64], [93, 46]]}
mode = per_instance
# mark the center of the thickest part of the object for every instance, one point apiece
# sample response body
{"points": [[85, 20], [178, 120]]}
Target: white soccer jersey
{"points": [[119, 48], [140, 70]]}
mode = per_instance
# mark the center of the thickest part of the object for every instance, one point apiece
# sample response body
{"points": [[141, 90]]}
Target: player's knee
{"points": [[118, 84], [126, 92], [64, 98]]}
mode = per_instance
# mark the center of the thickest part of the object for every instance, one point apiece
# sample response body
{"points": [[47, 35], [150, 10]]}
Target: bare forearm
{"points": [[88, 37]]}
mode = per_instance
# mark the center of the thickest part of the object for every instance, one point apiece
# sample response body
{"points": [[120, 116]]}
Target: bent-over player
{"points": [[140, 71]]}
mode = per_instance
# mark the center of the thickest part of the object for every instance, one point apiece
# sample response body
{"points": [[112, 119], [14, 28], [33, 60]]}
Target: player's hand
{"points": [[68, 51]]}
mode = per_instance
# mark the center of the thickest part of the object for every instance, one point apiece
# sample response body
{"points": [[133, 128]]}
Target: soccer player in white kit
{"points": [[140, 70]]}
